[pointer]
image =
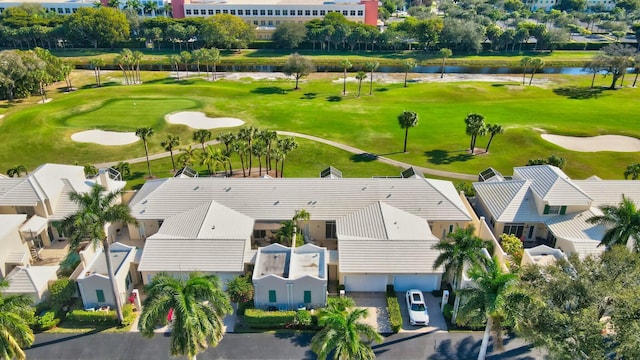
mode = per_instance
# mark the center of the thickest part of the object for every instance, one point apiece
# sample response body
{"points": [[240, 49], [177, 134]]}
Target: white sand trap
{"points": [[198, 120], [102, 137], [595, 143]]}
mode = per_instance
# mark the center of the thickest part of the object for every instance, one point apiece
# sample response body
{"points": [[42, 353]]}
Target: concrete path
{"points": [[376, 305], [351, 149]]}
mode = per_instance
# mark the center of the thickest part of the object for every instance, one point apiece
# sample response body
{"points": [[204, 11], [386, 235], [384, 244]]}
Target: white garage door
{"points": [[365, 283], [420, 282]]}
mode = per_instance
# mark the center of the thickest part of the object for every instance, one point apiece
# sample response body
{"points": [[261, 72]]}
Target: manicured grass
{"points": [[34, 134]]}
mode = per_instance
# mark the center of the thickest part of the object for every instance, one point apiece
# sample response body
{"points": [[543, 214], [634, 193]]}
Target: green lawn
{"points": [[34, 134]]}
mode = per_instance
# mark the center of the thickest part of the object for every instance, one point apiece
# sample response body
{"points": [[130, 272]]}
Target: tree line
{"points": [[23, 73]]}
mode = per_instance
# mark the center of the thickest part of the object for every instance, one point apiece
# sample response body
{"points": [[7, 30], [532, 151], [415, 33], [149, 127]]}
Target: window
{"points": [[233, 12], [263, 12], [352, 13], [315, 12], [554, 210], [270, 12], [100, 296], [255, 12], [451, 228], [67, 11], [272, 296], [270, 23], [330, 230], [262, 23], [259, 234], [255, 22], [277, 22], [241, 12], [307, 296], [225, 11], [210, 11], [345, 12], [307, 12], [75, 10], [196, 12], [360, 13], [128, 281], [60, 11], [217, 11], [293, 13], [323, 12], [531, 230], [187, 12], [277, 12], [285, 12], [514, 229]]}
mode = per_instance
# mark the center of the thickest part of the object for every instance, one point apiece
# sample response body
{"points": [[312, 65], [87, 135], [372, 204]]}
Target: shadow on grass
{"points": [[439, 157], [382, 89], [102, 84], [269, 90], [579, 93], [334, 98], [309, 96], [67, 338], [364, 157]]}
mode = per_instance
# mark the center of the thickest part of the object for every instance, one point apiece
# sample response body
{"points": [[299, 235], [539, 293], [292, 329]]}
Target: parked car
{"points": [[418, 314]]}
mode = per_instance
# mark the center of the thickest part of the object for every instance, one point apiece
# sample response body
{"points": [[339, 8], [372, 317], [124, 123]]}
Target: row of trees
{"points": [[576, 309]]}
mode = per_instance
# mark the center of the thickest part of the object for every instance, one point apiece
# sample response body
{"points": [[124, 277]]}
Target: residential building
{"points": [[32, 281], [541, 255], [290, 278], [542, 205], [13, 250]]}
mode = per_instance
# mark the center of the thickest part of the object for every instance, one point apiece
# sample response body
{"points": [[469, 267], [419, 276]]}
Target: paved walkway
{"points": [[351, 149]]}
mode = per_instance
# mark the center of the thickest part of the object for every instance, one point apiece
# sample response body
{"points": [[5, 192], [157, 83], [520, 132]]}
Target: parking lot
{"points": [[436, 319]]}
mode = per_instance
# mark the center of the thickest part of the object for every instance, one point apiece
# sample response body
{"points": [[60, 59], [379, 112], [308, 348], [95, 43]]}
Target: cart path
{"points": [[351, 149]]}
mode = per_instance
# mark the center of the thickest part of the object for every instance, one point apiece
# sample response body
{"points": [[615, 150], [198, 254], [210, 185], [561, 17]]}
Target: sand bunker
{"points": [[198, 120], [596, 143], [102, 137]]}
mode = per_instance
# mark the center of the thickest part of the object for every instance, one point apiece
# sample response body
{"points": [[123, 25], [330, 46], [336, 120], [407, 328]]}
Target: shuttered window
{"points": [[272, 296], [100, 296], [307, 296]]}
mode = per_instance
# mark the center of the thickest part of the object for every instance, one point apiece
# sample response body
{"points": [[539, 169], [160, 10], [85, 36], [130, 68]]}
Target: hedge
{"points": [[93, 317], [447, 311], [46, 320], [393, 307], [260, 319]]}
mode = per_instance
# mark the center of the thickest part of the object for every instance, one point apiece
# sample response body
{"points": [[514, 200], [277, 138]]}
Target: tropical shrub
{"points": [[261, 319], [447, 311], [240, 289], [107, 318], [393, 307], [46, 321], [302, 319], [62, 292]]}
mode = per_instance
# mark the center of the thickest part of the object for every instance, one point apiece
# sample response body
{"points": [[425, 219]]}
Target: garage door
{"points": [[365, 283], [420, 282]]}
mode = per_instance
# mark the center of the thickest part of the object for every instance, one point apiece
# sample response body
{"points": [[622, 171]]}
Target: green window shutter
{"points": [[563, 210], [546, 210], [100, 295], [307, 296], [272, 296]]}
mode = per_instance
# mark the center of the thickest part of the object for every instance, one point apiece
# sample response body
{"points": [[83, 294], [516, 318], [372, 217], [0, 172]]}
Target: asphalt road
{"points": [[429, 346]]}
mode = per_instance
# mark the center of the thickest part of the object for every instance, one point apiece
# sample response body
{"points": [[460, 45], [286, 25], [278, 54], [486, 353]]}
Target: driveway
{"points": [[436, 319], [376, 304]]}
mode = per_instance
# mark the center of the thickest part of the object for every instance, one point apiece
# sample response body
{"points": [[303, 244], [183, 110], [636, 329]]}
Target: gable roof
{"points": [[193, 255], [552, 185], [508, 201], [277, 199], [30, 279], [609, 192], [388, 257], [575, 226]]}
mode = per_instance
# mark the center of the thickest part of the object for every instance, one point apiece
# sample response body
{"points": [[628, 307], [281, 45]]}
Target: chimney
{"points": [[103, 176]]}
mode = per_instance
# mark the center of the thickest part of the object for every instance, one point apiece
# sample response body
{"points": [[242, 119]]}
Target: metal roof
{"points": [[508, 201], [609, 192], [575, 226], [193, 255], [382, 221], [30, 279], [278, 199], [388, 257], [552, 185], [35, 225]]}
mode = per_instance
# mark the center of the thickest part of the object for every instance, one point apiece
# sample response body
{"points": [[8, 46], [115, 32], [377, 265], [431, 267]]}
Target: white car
{"points": [[418, 314]]}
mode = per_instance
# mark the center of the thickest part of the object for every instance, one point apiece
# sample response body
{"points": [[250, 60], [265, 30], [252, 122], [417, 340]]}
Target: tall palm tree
{"points": [[622, 222], [407, 119], [202, 136], [174, 60], [268, 137], [277, 155], [198, 306], [342, 335], [241, 148], [461, 247], [169, 144], [371, 66], [198, 56], [632, 171], [444, 54], [286, 145], [536, 64], [97, 208], [145, 133], [15, 333], [493, 129], [361, 75], [185, 58], [487, 298], [227, 138], [97, 64], [248, 134], [407, 66], [525, 62], [136, 57], [213, 57], [17, 170], [475, 127], [259, 150], [346, 64]]}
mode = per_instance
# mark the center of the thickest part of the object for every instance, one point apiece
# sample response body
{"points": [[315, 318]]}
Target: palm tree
{"points": [[461, 247], [174, 60], [277, 155], [286, 145], [198, 306], [259, 150], [300, 218], [475, 127], [123, 168], [407, 119], [213, 158], [407, 66], [371, 66], [17, 170], [198, 56], [97, 208], [488, 298], [493, 129], [145, 133], [214, 58], [185, 58], [187, 156], [248, 134], [227, 138], [346, 64], [622, 222], [536, 64], [136, 58], [169, 144], [241, 148], [97, 64], [444, 54], [361, 75], [268, 137], [525, 62], [15, 333], [202, 136], [632, 170], [342, 335]]}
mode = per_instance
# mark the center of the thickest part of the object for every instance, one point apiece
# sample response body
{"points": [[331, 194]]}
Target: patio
{"points": [[52, 255]]}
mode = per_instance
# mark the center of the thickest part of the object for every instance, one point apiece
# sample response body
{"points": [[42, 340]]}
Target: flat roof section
{"points": [[308, 264], [273, 263]]}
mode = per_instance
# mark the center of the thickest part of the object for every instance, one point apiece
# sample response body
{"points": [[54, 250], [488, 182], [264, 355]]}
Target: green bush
{"points": [[302, 319], [128, 315], [260, 319], [107, 318], [46, 320], [393, 307], [447, 311], [242, 307], [240, 289], [62, 292]]}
